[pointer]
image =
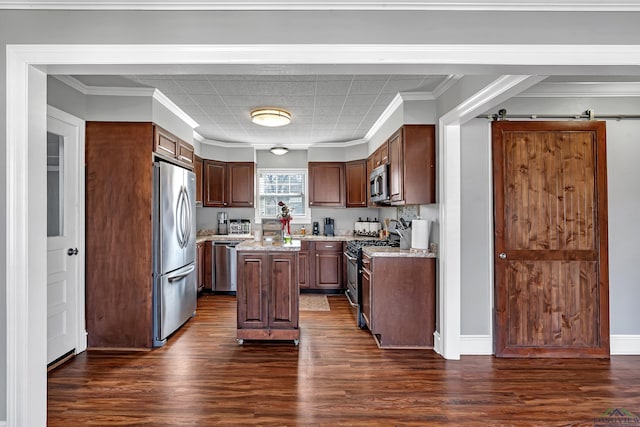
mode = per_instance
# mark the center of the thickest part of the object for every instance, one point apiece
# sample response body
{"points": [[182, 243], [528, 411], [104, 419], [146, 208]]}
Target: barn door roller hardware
{"points": [[586, 115]]}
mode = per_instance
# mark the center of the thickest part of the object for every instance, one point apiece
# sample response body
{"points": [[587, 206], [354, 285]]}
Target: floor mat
{"points": [[314, 302]]}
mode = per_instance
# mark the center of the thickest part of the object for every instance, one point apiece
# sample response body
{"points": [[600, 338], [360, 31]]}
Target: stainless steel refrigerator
{"points": [[174, 242]]}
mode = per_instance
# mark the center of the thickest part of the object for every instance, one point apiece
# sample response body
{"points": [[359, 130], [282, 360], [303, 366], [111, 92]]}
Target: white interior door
{"points": [[65, 236]]}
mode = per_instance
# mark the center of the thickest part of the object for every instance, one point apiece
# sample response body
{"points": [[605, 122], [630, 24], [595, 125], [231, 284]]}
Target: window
{"points": [[286, 185]]}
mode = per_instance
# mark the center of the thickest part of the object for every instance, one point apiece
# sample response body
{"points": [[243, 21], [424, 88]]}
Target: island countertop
{"points": [[252, 245]]}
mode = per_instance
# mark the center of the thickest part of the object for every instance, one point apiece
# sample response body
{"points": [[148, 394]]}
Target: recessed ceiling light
{"points": [[271, 117], [279, 151]]}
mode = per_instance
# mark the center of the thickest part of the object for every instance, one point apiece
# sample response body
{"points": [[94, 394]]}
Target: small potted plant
{"points": [[285, 220]]}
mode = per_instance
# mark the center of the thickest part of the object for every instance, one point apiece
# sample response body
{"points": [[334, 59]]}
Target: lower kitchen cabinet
{"points": [[208, 266], [366, 290], [304, 265], [200, 265], [267, 296], [399, 300], [328, 265]]}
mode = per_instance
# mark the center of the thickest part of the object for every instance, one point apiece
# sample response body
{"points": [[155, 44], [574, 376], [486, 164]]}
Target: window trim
{"points": [[306, 219]]}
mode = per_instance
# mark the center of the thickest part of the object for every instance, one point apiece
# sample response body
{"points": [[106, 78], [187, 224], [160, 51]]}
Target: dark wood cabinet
{"points": [[380, 156], [186, 153], [228, 184], [215, 183], [207, 269], [326, 184], [396, 175], [328, 265], [119, 234], [412, 172], [366, 290], [198, 167], [399, 300], [267, 296], [370, 167], [304, 265], [169, 146], [241, 179], [200, 265], [356, 182]]}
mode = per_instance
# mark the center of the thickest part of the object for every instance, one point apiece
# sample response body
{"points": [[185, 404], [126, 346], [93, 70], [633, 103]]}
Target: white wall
{"points": [[163, 117], [227, 154], [119, 108], [623, 175], [293, 159], [477, 236], [65, 98]]}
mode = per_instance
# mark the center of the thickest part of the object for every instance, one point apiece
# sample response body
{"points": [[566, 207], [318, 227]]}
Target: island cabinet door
{"points": [[284, 290], [252, 292]]}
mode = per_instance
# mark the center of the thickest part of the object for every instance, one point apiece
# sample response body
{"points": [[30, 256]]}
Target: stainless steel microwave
{"points": [[379, 184]]}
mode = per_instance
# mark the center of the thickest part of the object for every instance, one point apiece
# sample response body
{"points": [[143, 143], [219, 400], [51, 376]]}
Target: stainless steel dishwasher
{"points": [[224, 266]]}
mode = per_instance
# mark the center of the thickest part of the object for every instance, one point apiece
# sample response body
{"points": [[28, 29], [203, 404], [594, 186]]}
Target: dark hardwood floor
{"points": [[336, 377]]}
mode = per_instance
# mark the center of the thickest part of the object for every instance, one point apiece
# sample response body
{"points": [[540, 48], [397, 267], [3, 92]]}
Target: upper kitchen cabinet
{"points": [[215, 183], [326, 184], [198, 166], [228, 185], [171, 147], [412, 171], [241, 179], [380, 156], [356, 177]]}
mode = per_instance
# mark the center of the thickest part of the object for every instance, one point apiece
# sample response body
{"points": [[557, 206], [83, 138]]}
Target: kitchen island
{"points": [[268, 291]]}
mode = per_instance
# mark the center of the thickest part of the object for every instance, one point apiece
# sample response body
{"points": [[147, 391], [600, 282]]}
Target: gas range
{"points": [[354, 246]]}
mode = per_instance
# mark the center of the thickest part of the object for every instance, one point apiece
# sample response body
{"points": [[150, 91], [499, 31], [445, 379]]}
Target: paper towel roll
{"points": [[420, 234]]}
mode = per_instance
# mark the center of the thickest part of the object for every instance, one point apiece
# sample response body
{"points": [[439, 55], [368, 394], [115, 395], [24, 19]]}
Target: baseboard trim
{"points": [[626, 345], [621, 345], [476, 345], [437, 343]]}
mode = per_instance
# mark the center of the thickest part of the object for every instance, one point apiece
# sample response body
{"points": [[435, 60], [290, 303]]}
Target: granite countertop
{"points": [[251, 245], [386, 251], [309, 237], [223, 237]]}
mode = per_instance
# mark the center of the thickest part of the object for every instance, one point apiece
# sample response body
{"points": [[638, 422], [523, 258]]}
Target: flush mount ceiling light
{"points": [[279, 151], [271, 117]]}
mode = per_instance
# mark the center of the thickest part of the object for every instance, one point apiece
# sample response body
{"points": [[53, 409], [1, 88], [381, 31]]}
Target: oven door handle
{"points": [[350, 258], [351, 303]]}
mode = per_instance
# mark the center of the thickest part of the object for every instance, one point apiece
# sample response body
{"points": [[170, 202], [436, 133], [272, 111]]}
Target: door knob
{"points": [[72, 251], [502, 255]]}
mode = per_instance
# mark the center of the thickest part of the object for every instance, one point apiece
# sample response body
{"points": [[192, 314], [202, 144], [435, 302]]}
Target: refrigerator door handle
{"points": [[183, 214], [188, 216], [179, 219], [181, 274]]}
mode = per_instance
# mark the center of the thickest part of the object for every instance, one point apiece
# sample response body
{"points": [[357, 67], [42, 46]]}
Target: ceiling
{"points": [[325, 108]]}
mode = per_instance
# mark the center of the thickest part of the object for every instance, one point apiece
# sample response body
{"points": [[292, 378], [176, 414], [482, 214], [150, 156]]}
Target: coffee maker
{"points": [[328, 227], [316, 228], [223, 223]]}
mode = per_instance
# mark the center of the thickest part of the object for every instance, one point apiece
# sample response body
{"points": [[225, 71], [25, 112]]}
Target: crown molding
{"points": [[446, 84], [393, 106], [395, 103], [73, 83], [168, 104], [410, 5], [582, 90], [129, 91]]}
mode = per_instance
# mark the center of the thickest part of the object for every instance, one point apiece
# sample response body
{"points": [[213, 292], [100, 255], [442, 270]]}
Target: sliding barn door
{"points": [[551, 263]]}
